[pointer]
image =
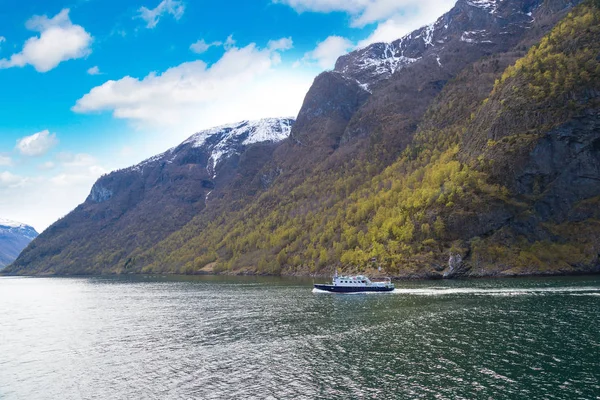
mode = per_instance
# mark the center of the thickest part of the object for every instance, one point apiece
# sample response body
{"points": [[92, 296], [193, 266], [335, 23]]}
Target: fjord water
{"points": [[225, 338]]}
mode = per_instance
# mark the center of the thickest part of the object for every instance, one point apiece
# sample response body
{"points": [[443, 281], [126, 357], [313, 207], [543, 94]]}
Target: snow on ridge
{"points": [[221, 140], [11, 224], [140, 167], [262, 130], [269, 130], [22, 229], [487, 5]]}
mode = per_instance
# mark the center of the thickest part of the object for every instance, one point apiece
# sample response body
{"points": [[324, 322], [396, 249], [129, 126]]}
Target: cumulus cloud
{"points": [[37, 144], [2, 40], [94, 71], [244, 83], [175, 8], [328, 51], [394, 18], [59, 41]]}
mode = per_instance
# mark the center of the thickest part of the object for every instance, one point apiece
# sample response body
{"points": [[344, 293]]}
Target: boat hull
{"points": [[350, 289]]}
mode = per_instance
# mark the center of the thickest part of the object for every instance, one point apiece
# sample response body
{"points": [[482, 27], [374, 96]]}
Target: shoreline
{"points": [[408, 277]]}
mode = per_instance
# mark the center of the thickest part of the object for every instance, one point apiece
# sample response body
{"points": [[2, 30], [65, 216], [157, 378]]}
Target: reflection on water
{"points": [[223, 337]]}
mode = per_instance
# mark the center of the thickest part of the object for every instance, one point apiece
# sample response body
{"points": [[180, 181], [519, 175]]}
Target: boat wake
{"points": [[441, 291]]}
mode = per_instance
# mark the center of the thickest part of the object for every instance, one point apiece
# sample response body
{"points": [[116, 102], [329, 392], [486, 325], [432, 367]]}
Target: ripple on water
{"points": [[232, 338]]}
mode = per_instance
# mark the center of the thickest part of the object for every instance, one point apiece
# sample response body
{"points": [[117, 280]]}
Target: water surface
{"points": [[242, 338]]}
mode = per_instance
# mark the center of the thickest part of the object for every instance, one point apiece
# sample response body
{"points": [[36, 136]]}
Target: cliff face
{"points": [[474, 140]]}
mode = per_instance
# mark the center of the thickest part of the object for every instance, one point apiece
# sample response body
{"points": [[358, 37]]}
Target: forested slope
{"points": [[504, 171]]}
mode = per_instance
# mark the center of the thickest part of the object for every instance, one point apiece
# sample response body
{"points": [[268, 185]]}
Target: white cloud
{"points": [[201, 46], [400, 25], [76, 160], [10, 180], [5, 161], [94, 71], [41, 200], [349, 6], [244, 83], [328, 51], [394, 18], [83, 176], [37, 144], [48, 165], [229, 43], [59, 41], [2, 39], [175, 8], [280, 44], [55, 189]]}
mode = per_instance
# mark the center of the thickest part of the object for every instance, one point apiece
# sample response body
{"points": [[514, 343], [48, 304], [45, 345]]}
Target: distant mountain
{"points": [[134, 208], [14, 237], [470, 146]]}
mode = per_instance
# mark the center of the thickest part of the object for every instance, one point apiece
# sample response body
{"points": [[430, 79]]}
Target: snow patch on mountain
{"points": [[6, 223], [225, 140], [140, 167], [488, 5], [8, 226], [264, 130], [428, 34], [389, 60], [474, 37]]}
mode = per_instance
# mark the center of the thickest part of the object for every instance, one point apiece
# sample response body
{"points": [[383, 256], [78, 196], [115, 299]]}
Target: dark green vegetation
{"points": [[493, 156]]}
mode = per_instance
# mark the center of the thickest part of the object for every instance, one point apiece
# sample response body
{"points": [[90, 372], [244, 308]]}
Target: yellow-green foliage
{"points": [[398, 215], [564, 60]]}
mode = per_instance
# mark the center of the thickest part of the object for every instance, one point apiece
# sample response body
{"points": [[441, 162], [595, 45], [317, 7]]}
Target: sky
{"points": [[90, 86]]}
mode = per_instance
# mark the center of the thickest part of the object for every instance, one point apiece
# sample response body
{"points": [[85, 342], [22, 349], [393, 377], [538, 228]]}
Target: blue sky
{"points": [[89, 86]]}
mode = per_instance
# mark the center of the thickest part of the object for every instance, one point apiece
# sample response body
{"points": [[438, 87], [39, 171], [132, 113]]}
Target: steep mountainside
{"points": [[430, 202], [134, 208], [14, 237], [467, 147]]}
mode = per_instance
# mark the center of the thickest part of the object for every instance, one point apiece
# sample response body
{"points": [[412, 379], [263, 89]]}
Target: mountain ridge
{"points": [[385, 171]]}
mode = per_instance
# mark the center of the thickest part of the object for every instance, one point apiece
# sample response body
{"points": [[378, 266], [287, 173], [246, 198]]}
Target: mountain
{"points": [[468, 147], [134, 208], [14, 237]]}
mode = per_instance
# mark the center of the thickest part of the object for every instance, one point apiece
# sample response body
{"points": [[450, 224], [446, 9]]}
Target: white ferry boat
{"points": [[354, 284]]}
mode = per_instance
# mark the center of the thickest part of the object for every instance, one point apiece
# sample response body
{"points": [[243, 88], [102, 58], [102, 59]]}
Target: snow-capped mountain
{"points": [[224, 141], [486, 22], [14, 237], [137, 207], [227, 140]]}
